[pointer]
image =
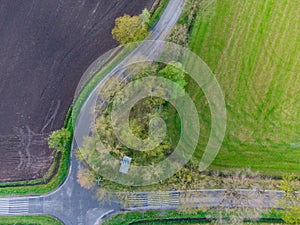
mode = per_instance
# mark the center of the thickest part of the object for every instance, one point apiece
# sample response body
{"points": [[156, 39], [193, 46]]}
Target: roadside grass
{"points": [[29, 220], [253, 48], [113, 59], [152, 217], [157, 10]]}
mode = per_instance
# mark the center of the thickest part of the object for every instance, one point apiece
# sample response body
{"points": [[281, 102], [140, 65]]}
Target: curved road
{"points": [[70, 203]]}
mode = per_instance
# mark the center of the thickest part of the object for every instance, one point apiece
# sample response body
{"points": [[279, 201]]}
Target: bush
{"points": [[59, 139]]}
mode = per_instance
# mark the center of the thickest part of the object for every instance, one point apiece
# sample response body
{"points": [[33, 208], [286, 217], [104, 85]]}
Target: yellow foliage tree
{"points": [[129, 29], [290, 202], [86, 178]]}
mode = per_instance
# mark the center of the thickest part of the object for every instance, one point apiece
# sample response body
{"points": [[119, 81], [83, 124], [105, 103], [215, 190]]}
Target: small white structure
{"points": [[125, 164]]}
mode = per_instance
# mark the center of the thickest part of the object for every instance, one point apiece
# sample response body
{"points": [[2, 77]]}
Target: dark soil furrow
{"points": [[45, 47]]}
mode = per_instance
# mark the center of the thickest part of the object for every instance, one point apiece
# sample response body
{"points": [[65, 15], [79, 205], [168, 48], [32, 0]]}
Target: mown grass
{"points": [[152, 217], [29, 220], [253, 48]]}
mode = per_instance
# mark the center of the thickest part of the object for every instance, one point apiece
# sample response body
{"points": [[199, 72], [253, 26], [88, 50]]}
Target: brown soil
{"points": [[45, 46]]}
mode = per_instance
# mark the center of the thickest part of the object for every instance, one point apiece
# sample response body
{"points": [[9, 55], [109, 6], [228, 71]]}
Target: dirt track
{"points": [[45, 46]]}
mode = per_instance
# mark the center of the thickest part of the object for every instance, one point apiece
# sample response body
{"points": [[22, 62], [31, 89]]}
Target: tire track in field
{"points": [[239, 31], [17, 152], [235, 31], [24, 139]]}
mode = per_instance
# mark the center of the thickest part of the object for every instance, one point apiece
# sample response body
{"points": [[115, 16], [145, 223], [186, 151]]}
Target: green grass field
{"points": [[253, 48], [29, 220]]}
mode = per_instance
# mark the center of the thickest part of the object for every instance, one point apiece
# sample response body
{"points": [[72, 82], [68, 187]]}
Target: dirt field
{"points": [[45, 46]]}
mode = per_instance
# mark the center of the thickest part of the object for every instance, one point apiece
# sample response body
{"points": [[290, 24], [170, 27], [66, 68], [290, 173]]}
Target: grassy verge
{"points": [[29, 220], [157, 10], [94, 80], [175, 217]]}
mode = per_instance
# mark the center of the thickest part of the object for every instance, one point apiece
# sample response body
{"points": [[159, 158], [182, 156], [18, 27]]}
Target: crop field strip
{"points": [[254, 49]]}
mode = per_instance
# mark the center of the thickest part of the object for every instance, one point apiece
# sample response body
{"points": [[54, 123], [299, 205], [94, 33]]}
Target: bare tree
{"points": [[86, 178], [241, 200], [290, 202]]}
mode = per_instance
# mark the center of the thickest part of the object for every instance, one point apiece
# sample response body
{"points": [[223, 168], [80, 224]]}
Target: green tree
{"points": [[145, 16], [179, 34], [129, 29], [59, 139], [237, 204], [175, 72]]}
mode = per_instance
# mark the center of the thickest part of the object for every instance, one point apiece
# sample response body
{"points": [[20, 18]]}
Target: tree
{"points": [[108, 91], [139, 65], [179, 34], [175, 72], [145, 16], [86, 178], [59, 139], [290, 202], [129, 29], [238, 204]]}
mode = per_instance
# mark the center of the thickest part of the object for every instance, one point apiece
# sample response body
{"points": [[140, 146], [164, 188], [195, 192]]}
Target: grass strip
{"points": [[157, 10], [173, 217], [29, 220]]}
